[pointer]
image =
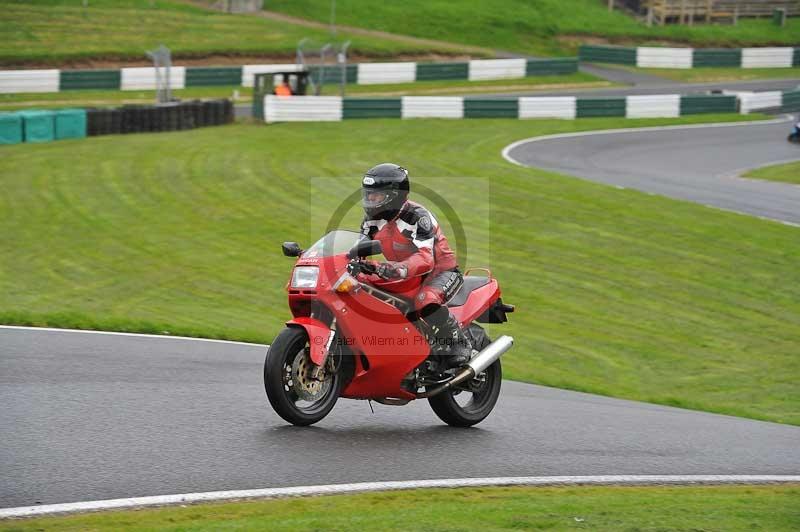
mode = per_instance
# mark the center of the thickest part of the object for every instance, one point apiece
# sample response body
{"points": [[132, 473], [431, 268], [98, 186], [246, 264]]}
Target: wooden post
{"points": [[736, 16], [709, 5], [683, 11], [611, 5], [649, 16]]}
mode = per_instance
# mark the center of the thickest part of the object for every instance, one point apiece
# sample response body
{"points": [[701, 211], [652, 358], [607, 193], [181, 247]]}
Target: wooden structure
{"points": [[690, 11]]}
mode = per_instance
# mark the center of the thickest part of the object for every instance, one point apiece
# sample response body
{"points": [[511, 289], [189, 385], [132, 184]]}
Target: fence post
{"points": [[611, 5]]}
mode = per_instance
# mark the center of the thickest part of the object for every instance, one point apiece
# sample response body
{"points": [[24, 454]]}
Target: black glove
{"points": [[390, 270]]}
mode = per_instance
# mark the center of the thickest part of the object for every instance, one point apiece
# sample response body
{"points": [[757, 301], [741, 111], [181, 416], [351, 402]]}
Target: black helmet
{"points": [[384, 190]]}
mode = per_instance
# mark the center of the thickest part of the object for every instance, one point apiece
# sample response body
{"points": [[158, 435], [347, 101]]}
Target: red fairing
{"points": [[391, 344]]}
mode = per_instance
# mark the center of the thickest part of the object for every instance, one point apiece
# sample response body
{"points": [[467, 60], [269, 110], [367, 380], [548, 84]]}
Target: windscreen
{"points": [[334, 243]]}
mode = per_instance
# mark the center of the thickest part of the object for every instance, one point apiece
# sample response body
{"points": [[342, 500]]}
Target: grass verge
{"points": [[541, 27], [729, 508], [578, 80], [618, 292], [110, 98], [710, 75], [787, 173], [58, 32]]}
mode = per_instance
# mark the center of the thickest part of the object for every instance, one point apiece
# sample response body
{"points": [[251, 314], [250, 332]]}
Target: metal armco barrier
{"points": [[144, 78], [660, 57], [334, 108]]}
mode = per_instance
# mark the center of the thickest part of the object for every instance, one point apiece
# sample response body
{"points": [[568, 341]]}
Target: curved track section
{"points": [[695, 163], [104, 416]]}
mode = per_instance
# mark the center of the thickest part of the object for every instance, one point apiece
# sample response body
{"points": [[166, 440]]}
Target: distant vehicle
{"points": [[794, 136]]}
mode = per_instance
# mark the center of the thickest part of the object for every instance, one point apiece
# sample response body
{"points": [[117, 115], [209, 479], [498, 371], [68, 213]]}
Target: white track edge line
{"points": [[331, 489], [140, 335], [507, 149]]}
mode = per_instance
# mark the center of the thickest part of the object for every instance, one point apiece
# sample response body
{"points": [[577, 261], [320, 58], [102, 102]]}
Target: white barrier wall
{"points": [[753, 101], [29, 81], [664, 57], [302, 108], [496, 69], [547, 107], [653, 106], [433, 107], [249, 71], [144, 78], [767, 57], [374, 73]]}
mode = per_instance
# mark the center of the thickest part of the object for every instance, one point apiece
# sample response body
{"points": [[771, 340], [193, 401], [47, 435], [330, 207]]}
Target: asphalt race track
{"points": [[99, 416], [698, 164]]}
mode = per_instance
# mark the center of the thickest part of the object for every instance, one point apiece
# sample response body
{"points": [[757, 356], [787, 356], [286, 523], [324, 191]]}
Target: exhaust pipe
{"points": [[475, 366]]}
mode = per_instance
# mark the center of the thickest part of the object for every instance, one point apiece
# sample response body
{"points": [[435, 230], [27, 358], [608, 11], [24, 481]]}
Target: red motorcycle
{"points": [[352, 338]]}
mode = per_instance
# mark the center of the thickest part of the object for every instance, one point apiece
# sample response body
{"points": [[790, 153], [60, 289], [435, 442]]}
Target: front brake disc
{"points": [[304, 385]]}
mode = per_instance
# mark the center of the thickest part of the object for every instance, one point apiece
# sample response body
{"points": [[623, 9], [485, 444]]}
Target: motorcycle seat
{"points": [[471, 282]]}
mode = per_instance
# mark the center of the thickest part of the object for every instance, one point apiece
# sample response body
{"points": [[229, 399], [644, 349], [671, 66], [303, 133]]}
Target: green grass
{"points": [[422, 88], [787, 173], [729, 508], [57, 32], [541, 27], [709, 75], [101, 98], [618, 292], [106, 98]]}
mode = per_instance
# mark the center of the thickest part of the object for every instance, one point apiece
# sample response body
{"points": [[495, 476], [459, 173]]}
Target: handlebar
{"points": [[359, 266]]}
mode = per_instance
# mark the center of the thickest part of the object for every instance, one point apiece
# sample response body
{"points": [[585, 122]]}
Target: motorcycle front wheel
{"points": [[293, 392], [474, 400]]}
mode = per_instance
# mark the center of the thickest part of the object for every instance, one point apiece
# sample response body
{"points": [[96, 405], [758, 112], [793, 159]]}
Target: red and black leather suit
{"points": [[414, 242]]}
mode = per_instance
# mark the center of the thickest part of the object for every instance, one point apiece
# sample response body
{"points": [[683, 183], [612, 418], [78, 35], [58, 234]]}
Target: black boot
{"points": [[452, 342]]}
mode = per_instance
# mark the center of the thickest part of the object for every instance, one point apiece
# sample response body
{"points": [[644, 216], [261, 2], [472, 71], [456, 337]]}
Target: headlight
{"points": [[305, 277]]}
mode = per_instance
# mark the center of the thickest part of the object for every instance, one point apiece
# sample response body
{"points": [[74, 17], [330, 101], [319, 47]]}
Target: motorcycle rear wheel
{"points": [[293, 395], [793, 138], [468, 407]]}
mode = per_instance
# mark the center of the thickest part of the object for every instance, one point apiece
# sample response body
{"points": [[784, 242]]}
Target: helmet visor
{"points": [[372, 198]]}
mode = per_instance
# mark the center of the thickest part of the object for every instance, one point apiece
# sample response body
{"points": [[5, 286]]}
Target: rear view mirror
{"points": [[291, 249], [365, 248]]}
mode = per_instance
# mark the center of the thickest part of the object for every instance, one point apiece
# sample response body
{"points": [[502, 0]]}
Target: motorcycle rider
{"points": [[414, 245]]}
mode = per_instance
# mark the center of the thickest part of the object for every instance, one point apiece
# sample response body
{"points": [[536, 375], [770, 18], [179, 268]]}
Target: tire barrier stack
{"points": [[144, 78], [176, 116], [334, 108], [46, 126], [658, 57]]}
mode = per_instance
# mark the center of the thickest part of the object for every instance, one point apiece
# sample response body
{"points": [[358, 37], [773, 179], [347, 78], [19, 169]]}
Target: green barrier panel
{"points": [[10, 128], [491, 108], [695, 105], [371, 108], [717, 57], [70, 123], [213, 76], [333, 74], [791, 101], [551, 67], [796, 58], [432, 71], [89, 79], [38, 126], [608, 54], [588, 107]]}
